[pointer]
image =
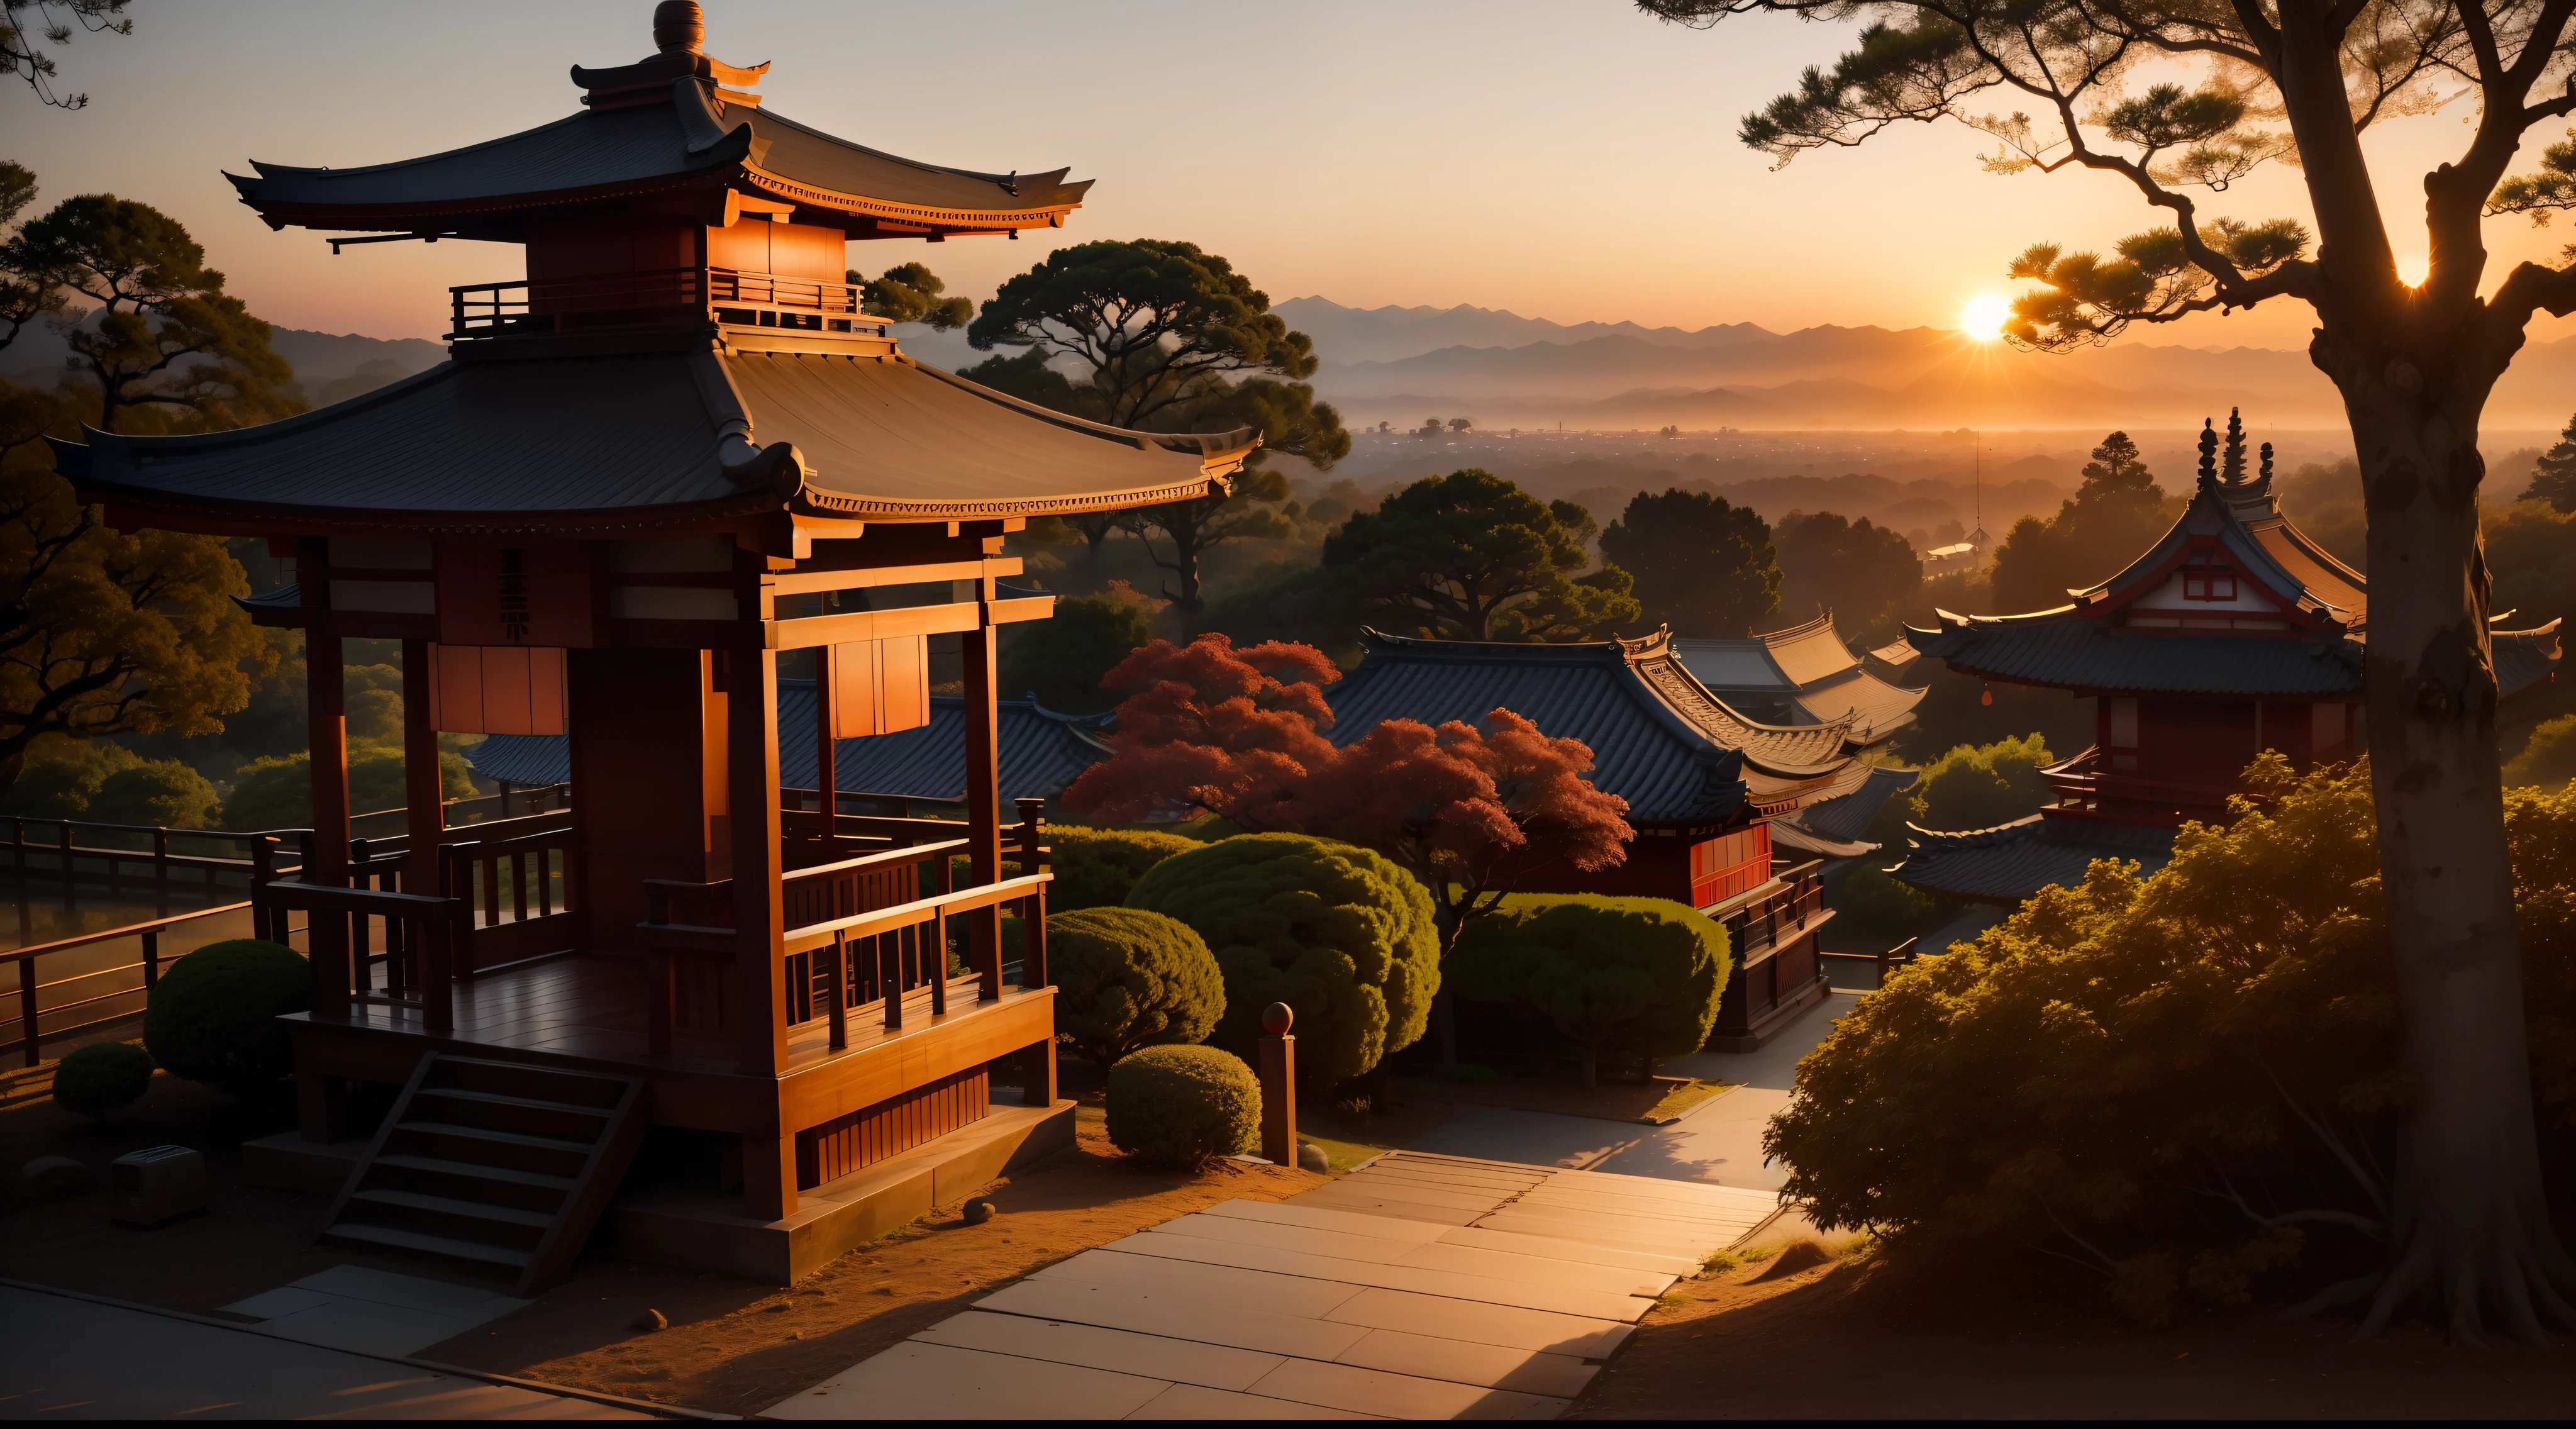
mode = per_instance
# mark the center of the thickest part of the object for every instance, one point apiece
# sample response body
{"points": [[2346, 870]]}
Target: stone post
{"points": [[1278, 1085]]}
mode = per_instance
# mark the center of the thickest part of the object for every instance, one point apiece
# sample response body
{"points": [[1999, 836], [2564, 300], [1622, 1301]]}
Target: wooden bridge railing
{"points": [[1761, 919]]}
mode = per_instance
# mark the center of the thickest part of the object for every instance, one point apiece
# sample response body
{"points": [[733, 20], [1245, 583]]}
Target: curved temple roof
{"points": [[1660, 740], [2010, 862], [2299, 633], [1799, 676], [657, 437], [686, 133]]}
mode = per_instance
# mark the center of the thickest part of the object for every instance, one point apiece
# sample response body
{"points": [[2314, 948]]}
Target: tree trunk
{"points": [[2469, 1232]]}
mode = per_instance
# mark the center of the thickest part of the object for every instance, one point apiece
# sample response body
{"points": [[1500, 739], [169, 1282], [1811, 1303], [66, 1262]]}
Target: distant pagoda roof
{"points": [[1660, 740], [668, 127], [1042, 751], [1799, 676], [2007, 864], [650, 438], [2294, 623]]}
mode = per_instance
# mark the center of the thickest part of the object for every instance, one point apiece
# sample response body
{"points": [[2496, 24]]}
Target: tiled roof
{"points": [[2011, 862], [2315, 652], [694, 430], [1848, 816], [694, 133], [1803, 675], [1042, 752], [1666, 767]]}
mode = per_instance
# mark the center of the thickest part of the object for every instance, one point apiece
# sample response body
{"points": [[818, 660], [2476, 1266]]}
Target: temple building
{"points": [[672, 452], [1802, 675], [1734, 816], [2232, 635]]}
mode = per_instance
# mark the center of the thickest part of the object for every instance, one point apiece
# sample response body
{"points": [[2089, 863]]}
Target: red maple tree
{"points": [[1472, 812], [1231, 732]]}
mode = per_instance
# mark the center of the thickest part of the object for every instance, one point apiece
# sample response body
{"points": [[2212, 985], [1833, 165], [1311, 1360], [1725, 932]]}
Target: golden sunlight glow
{"points": [[1984, 316], [2412, 268]]}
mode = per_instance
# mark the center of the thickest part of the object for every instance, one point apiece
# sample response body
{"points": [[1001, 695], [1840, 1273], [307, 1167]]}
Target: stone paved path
{"points": [[1419, 1287], [62, 1357]]}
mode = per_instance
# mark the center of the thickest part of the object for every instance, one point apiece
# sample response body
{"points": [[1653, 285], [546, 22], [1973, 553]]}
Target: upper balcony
{"points": [[2091, 784], [752, 311]]}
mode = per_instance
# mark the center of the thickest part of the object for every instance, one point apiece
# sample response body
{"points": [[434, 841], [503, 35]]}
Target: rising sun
{"points": [[1983, 318]]}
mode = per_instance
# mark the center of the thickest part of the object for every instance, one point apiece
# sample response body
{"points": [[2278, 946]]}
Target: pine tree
{"points": [[2553, 477]]}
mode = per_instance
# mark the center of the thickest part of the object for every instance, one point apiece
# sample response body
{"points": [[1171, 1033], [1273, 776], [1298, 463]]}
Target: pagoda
{"points": [[1734, 816], [674, 453], [2232, 635]]}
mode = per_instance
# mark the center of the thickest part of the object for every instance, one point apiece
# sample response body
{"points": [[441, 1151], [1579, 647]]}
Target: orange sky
{"points": [[1568, 159]]}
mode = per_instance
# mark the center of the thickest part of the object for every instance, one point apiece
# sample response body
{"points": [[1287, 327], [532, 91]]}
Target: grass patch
{"points": [[1721, 1261], [1682, 1098]]}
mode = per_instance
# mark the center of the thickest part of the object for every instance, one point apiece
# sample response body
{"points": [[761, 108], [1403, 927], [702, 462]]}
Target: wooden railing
{"points": [[1885, 960], [1757, 921], [517, 887], [108, 994], [420, 937], [877, 899], [61, 847], [2086, 783], [522, 305]]}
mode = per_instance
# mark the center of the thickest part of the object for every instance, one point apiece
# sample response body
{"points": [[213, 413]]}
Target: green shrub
{"points": [[1977, 786], [1872, 903], [1640, 976], [1095, 868], [2548, 760], [1340, 934], [1126, 978], [213, 1018], [277, 792], [1183, 1106], [99, 1078], [2104, 1074]]}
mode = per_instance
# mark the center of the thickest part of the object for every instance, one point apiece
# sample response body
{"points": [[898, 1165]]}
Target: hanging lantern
{"points": [[1988, 697]]}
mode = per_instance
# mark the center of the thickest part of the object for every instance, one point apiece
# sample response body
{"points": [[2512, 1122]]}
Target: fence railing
{"points": [[861, 934], [56, 996], [420, 939], [1757, 921], [729, 295], [1883, 962]]}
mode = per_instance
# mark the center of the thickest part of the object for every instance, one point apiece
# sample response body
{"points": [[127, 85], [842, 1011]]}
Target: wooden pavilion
{"points": [[674, 454], [2234, 634]]}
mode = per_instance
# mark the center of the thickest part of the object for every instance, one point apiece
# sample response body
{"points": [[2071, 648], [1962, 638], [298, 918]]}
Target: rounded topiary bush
{"points": [[1636, 977], [1340, 934], [1095, 868], [101, 1077], [1183, 1106], [1127, 978], [213, 1018]]}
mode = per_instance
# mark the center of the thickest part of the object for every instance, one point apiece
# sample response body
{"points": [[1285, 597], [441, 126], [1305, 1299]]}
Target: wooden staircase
{"points": [[502, 1167]]}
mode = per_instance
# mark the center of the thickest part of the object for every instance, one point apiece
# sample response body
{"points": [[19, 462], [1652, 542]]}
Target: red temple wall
{"points": [[636, 725], [793, 250]]}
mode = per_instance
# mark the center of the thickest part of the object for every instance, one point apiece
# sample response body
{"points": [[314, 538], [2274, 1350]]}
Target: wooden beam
{"points": [[813, 577], [856, 625], [983, 808], [760, 1002]]}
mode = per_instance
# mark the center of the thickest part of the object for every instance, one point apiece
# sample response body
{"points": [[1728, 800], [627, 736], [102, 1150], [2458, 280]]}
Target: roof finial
{"points": [[2267, 463], [2231, 461], [679, 25], [2208, 455]]}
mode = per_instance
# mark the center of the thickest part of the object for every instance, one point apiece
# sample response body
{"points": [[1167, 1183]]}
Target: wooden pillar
{"points": [[327, 933], [1278, 1085], [983, 809], [751, 748], [425, 821], [827, 778]]}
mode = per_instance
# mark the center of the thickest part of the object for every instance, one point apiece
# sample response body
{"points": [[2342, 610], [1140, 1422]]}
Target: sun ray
{"points": [[1984, 316]]}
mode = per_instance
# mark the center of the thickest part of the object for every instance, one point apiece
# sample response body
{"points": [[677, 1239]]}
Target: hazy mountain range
{"points": [[1501, 369]]}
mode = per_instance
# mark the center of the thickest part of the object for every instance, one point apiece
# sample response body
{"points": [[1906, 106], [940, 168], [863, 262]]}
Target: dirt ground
{"points": [[732, 1346], [1870, 1336]]}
